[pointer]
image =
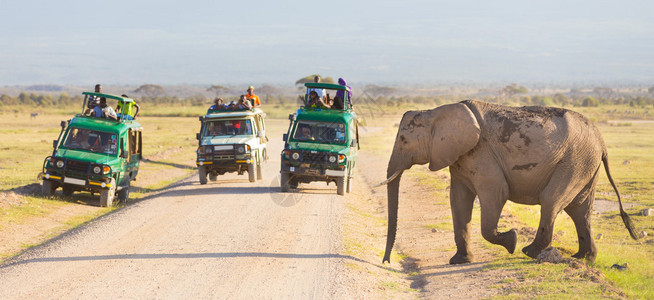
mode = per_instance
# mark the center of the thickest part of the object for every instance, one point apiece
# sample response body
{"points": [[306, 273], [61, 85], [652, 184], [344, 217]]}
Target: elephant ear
{"points": [[455, 131]]}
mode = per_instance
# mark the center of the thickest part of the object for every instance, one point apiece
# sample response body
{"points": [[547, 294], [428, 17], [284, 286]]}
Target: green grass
{"points": [[636, 184]]}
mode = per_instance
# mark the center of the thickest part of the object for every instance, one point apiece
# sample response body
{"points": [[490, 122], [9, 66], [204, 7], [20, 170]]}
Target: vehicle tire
{"points": [[252, 172], [213, 177], [67, 190], [260, 171], [293, 183], [340, 185], [284, 182], [202, 172], [123, 194], [107, 195], [48, 188], [349, 185]]}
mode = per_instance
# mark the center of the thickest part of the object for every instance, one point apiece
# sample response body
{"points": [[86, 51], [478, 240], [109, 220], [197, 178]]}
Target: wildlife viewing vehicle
{"points": [[321, 143], [95, 153], [232, 141]]}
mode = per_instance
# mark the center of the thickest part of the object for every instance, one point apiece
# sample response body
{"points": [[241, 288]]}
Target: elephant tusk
{"points": [[397, 173]]}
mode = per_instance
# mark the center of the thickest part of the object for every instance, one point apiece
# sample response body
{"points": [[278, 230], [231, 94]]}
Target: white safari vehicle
{"points": [[232, 141]]}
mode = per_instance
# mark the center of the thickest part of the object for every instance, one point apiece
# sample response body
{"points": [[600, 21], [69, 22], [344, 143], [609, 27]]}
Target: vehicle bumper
{"points": [[89, 183], [316, 172]]}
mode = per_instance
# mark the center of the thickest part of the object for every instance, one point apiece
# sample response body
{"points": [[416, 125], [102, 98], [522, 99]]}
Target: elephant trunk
{"points": [[398, 162], [393, 189]]}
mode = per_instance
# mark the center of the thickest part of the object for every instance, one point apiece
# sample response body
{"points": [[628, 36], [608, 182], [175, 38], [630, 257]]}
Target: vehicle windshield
{"points": [[91, 140], [321, 132], [228, 127]]}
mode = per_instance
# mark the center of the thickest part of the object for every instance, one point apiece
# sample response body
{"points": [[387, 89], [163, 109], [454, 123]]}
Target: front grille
{"points": [[223, 154], [313, 157], [77, 166]]}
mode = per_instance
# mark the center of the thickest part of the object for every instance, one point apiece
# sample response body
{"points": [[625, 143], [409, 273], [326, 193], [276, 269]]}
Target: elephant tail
{"points": [[625, 217]]}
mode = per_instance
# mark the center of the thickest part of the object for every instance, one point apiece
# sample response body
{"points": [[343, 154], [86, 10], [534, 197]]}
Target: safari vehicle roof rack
{"points": [[219, 113]]}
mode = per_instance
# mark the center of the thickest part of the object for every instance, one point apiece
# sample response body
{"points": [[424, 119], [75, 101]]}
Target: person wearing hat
{"points": [[252, 97]]}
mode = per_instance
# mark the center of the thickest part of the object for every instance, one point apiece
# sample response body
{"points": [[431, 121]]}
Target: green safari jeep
{"points": [[232, 141], [321, 143], [95, 154]]}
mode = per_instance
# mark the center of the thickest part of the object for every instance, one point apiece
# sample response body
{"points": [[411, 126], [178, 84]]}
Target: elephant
{"points": [[531, 155]]}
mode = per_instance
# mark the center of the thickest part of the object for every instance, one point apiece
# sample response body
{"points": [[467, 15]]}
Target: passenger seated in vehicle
{"points": [[103, 110], [218, 129], [79, 140], [304, 133], [316, 101], [337, 103]]}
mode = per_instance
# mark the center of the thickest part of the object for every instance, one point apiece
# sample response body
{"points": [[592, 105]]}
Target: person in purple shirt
{"points": [[340, 95]]}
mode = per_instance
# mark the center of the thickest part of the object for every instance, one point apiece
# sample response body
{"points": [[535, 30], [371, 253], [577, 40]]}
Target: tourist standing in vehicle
{"points": [[93, 101], [243, 103], [320, 92], [130, 113], [340, 95], [219, 103], [254, 99]]}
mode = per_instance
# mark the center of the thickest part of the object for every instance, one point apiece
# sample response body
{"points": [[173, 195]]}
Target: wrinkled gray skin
{"points": [[529, 155]]}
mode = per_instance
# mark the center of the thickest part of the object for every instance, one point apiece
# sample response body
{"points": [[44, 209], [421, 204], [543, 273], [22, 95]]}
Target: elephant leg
{"points": [[581, 214], [565, 186], [461, 201], [492, 197], [491, 208], [543, 237]]}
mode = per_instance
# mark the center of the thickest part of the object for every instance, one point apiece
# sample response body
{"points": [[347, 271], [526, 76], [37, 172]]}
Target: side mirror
{"points": [[260, 134], [54, 144], [63, 124], [285, 137], [197, 136], [291, 117], [201, 118]]}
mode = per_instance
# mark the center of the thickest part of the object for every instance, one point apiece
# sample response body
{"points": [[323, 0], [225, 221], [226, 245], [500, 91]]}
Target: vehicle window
{"points": [[322, 132], [91, 140], [228, 127]]}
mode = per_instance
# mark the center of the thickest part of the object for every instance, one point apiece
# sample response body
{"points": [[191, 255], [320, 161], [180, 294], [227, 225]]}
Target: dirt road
{"points": [[226, 239]]}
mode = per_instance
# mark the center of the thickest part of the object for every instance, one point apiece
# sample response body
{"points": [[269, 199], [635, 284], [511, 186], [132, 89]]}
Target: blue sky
{"points": [[423, 42]]}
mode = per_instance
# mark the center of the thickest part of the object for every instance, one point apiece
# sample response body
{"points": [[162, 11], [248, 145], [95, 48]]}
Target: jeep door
{"points": [[133, 152]]}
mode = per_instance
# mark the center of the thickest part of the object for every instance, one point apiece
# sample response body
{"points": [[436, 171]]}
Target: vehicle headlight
{"points": [[332, 158], [60, 164], [295, 156], [208, 150], [97, 169], [240, 149]]}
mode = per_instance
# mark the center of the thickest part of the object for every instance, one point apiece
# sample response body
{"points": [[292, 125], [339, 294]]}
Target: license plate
{"points": [[75, 181]]}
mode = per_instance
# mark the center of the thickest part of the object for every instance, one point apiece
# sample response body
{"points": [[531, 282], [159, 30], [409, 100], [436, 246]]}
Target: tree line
{"points": [[382, 98]]}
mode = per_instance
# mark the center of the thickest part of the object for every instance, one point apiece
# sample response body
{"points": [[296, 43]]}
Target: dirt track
{"points": [[229, 238]]}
